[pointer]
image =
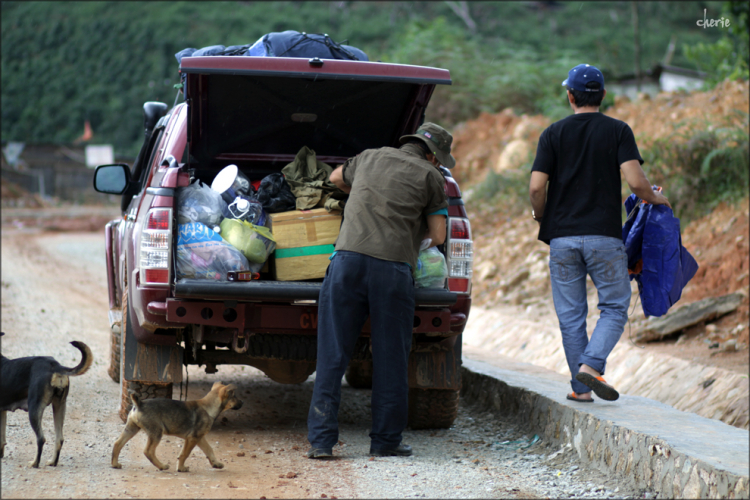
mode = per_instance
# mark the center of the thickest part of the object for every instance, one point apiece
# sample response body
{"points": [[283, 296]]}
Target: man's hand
{"points": [[639, 184]]}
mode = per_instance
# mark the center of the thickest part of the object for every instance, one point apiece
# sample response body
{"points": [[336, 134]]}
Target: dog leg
{"points": [[187, 447], [127, 434], [203, 445], [150, 451], [58, 410], [35, 418], [2, 433]]}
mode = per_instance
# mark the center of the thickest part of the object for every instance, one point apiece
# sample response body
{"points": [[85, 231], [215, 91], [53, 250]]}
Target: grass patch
{"points": [[507, 191], [700, 167]]}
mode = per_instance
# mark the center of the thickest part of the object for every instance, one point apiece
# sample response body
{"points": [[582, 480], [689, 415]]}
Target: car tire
{"points": [[144, 390], [359, 375], [283, 347], [432, 408], [114, 352]]}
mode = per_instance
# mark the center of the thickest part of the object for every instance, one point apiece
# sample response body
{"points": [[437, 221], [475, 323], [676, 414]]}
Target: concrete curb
{"points": [[644, 442], [708, 391]]}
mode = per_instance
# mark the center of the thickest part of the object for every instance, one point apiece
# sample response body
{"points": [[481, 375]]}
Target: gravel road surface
{"points": [[54, 291]]}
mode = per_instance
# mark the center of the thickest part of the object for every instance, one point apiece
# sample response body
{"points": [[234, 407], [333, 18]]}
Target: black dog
{"points": [[33, 383]]}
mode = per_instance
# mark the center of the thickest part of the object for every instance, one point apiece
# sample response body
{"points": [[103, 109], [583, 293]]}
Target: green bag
{"points": [[255, 242], [431, 269]]}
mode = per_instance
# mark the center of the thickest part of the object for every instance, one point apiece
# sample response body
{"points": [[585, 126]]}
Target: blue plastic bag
{"points": [[657, 260], [203, 254]]}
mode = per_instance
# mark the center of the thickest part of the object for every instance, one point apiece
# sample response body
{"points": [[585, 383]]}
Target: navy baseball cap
{"points": [[582, 74]]}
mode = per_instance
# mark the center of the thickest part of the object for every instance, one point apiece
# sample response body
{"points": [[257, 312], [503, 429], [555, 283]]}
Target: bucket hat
{"points": [[437, 139]]}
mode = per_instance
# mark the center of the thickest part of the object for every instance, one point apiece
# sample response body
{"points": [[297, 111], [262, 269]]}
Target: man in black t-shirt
{"points": [[575, 193]]}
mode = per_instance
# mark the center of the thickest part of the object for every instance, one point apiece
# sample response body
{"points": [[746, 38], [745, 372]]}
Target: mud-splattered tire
{"points": [[144, 391], [295, 347], [114, 357], [432, 408], [359, 375]]}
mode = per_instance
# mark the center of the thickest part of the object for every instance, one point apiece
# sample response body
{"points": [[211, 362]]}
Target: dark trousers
{"points": [[357, 286]]}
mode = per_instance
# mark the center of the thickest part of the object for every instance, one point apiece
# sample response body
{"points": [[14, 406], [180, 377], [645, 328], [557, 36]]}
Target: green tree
{"points": [[728, 57], [64, 62]]}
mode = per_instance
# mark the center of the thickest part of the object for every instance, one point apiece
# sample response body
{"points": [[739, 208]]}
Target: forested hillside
{"points": [[67, 62]]}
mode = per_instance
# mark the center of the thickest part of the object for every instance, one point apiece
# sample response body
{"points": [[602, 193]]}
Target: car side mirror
{"points": [[112, 179]]}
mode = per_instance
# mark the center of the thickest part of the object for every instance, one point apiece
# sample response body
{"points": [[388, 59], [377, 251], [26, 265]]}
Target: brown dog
{"points": [[190, 420]]}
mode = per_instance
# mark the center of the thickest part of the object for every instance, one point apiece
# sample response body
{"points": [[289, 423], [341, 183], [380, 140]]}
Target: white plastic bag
{"points": [[199, 203]]}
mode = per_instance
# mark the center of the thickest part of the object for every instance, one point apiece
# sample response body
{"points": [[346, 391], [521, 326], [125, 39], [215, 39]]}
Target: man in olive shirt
{"points": [[396, 200]]}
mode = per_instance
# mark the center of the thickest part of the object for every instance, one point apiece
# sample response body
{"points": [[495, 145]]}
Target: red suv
{"points": [[256, 113]]}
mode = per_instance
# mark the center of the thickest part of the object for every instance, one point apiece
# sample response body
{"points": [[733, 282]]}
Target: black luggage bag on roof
{"points": [[295, 44], [283, 44]]}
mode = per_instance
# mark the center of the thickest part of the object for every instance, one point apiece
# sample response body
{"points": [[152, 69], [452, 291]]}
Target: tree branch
{"points": [[461, 9]]}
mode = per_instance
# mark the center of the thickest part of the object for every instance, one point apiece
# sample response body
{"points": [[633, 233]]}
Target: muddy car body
{"points": [[256, 113]]}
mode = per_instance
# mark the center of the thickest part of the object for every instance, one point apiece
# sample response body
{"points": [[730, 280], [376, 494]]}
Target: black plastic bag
{"points": [[275, 194], [292, 43]]}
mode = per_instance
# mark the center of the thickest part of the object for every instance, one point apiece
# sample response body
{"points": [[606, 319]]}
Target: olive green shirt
{"points": [[393, 192]]}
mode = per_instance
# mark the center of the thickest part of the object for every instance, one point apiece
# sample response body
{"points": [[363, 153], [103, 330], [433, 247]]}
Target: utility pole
{"points": [[634, 9]]}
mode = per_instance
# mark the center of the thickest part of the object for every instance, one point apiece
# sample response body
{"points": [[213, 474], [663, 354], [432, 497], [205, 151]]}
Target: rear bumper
{"points": [[287, 291], [224, 310], [225, 317]]}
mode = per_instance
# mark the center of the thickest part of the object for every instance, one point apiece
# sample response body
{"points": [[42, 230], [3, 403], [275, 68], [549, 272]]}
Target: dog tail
{"points": [[136, 401], [86, 361]]}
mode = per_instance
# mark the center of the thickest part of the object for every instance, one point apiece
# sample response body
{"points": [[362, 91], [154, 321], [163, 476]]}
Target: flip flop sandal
{"points": [[574, 397], [600, 386]]}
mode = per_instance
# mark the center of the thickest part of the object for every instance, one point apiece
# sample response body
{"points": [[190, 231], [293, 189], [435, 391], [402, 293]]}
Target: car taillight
{"points": [[155, 244], [460, 229], [459, 255]]}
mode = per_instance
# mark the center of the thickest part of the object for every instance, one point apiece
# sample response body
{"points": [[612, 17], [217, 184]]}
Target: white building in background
{"points": [[662, 78]]}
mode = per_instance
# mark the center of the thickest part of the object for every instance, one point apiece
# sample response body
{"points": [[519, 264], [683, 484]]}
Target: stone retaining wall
{"points": [[534, 337], [646, 443]]}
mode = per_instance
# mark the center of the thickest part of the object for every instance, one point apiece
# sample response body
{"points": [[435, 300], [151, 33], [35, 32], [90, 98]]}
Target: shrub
{"points": [[700, 167], [507, 191], [484, 78]]}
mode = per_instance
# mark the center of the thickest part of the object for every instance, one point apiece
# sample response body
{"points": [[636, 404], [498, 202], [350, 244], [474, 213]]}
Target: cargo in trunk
{"points": [[304, 242]]}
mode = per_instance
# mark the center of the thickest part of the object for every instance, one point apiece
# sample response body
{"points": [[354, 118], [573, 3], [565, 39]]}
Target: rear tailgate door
{"points": [[275, 106]]}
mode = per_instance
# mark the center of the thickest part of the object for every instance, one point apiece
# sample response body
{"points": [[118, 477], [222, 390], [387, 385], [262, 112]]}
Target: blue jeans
{"points": [[604, 259], [357, 286]]}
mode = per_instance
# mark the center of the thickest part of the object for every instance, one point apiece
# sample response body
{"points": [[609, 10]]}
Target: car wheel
{"points": [[115, 341], [144, 390], [359, 375], [432, 408]]}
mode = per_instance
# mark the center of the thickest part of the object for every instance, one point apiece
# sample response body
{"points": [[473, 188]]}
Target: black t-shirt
{"points": [[582, 155]]}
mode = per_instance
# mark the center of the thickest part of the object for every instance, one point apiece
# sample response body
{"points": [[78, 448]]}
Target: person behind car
{"points": [[396, 201], [577, 164]]}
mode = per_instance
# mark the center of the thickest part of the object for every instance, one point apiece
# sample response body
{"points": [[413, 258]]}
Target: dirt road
{"points": [[54, 291]]}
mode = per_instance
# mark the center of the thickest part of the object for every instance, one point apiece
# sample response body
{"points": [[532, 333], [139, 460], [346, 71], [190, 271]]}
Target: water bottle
{"points": [[239, 208]]}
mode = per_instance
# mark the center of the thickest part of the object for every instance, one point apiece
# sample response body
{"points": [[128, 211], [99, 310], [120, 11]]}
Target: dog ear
{"points": [[230, 389], [216, 385]]}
